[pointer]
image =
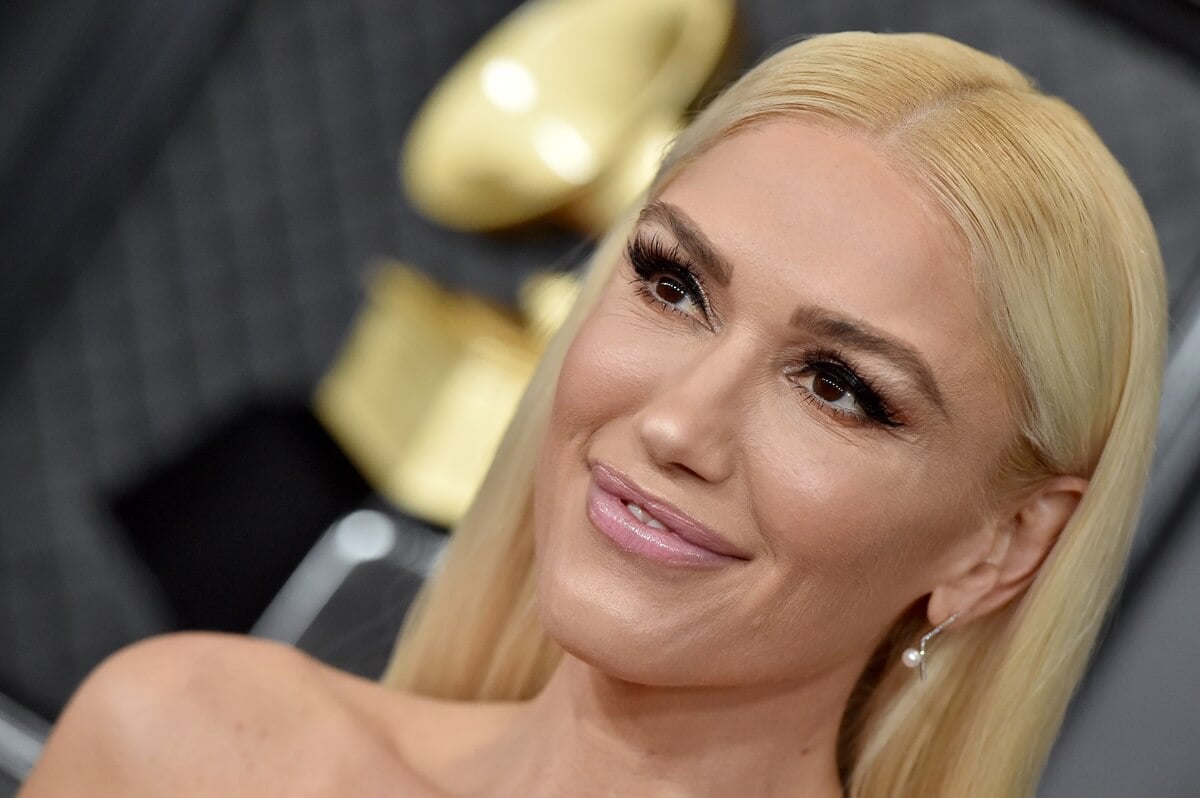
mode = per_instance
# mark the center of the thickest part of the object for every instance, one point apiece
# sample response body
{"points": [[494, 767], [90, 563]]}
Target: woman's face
{"points": [[788, 376]]}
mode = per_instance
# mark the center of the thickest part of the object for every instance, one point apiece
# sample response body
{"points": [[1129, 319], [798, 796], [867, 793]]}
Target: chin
{"points": [[609, 645], [609, 620], [631, 618]]}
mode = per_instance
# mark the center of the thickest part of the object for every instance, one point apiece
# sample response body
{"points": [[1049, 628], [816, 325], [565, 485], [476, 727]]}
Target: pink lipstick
{"points": [[643, 524]]}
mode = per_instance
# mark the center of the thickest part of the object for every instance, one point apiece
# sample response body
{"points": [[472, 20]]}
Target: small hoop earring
{"points": [[916, 657]]}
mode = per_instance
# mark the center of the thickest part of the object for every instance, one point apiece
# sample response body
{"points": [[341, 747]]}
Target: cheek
{"points": [[600, 380], [853, 525], [604, 374]]}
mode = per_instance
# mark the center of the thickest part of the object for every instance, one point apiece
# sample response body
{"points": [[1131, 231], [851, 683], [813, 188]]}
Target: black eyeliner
{"points": [[868, 398], [649, 256]]}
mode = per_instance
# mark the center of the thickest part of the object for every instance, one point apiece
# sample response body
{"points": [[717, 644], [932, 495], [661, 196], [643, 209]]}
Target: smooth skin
{"points": [[738, 407]]}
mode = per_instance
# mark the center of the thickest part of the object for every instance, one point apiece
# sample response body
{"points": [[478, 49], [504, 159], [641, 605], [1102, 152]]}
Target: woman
{"points": [[870, 382]]}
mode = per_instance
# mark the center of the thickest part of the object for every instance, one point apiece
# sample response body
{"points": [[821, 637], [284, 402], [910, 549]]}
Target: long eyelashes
{"points": [[665, 279], [833, 379]]}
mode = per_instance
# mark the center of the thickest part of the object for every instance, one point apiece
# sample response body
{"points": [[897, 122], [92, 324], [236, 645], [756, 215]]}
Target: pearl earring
{"points": [[915, 657]]}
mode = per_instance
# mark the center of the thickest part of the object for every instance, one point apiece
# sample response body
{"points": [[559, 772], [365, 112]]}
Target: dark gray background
{"points": [[231, 264]]}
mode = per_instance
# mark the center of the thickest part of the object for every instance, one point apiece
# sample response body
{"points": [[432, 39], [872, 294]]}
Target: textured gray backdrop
{"points": [[234, 269]]}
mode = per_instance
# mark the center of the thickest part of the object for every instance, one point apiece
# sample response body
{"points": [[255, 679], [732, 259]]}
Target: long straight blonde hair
{"points": [[1069, 274]]}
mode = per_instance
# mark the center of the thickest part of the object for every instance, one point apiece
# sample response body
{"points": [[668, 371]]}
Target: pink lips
{"points": [[683, 542]]}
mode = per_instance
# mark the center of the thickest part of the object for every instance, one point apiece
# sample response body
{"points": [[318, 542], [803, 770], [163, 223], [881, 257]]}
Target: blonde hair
{"points": [[1068, 268]]}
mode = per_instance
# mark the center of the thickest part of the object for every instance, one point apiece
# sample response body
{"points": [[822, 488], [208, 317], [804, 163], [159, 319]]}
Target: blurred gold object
{"points": [[567, 105], [422, 391], [626, 178], [546, 299], [565, 109]]}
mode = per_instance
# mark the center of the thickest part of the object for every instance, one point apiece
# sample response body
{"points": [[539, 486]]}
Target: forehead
{"points": [[810, 202], [811, 215]]}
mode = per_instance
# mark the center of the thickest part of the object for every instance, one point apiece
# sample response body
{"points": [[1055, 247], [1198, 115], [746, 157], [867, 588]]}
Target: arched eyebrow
{"points": [[844, 331], [852, 334], [688, 233]]}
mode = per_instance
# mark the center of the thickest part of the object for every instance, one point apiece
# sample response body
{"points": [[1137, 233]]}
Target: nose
{"points": [[691, 418]]}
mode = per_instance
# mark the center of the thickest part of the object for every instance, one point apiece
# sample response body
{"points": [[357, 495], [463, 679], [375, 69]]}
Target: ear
{"points": [[1020, 538]]}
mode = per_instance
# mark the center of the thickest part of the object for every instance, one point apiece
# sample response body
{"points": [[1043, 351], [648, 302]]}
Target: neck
{"points": [[589, 733]]}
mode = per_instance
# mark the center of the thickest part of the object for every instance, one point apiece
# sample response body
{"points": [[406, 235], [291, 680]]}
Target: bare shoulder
{"points": [[211, 714]]}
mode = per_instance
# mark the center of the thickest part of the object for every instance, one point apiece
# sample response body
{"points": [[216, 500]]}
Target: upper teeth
{"points": [[643, 516]]}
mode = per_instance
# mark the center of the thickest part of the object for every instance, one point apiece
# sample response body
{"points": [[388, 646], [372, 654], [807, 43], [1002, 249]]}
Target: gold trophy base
{"points": [[423, 390]]}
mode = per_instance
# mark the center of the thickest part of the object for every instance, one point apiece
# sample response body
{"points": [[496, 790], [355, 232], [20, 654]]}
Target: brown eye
{"points": [[836, 388], [667, 282], [831, 389], [828, 388], [670, 291]]}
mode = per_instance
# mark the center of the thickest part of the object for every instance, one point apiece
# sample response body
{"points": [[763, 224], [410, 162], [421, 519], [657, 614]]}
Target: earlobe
{"points": [[1021, 541]]}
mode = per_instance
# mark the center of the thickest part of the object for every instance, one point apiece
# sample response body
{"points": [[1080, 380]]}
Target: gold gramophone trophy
{"points": [[561, 113]]}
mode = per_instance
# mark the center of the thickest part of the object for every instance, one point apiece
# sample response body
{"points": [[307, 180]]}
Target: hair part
{"points": [[1071, 282]]}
